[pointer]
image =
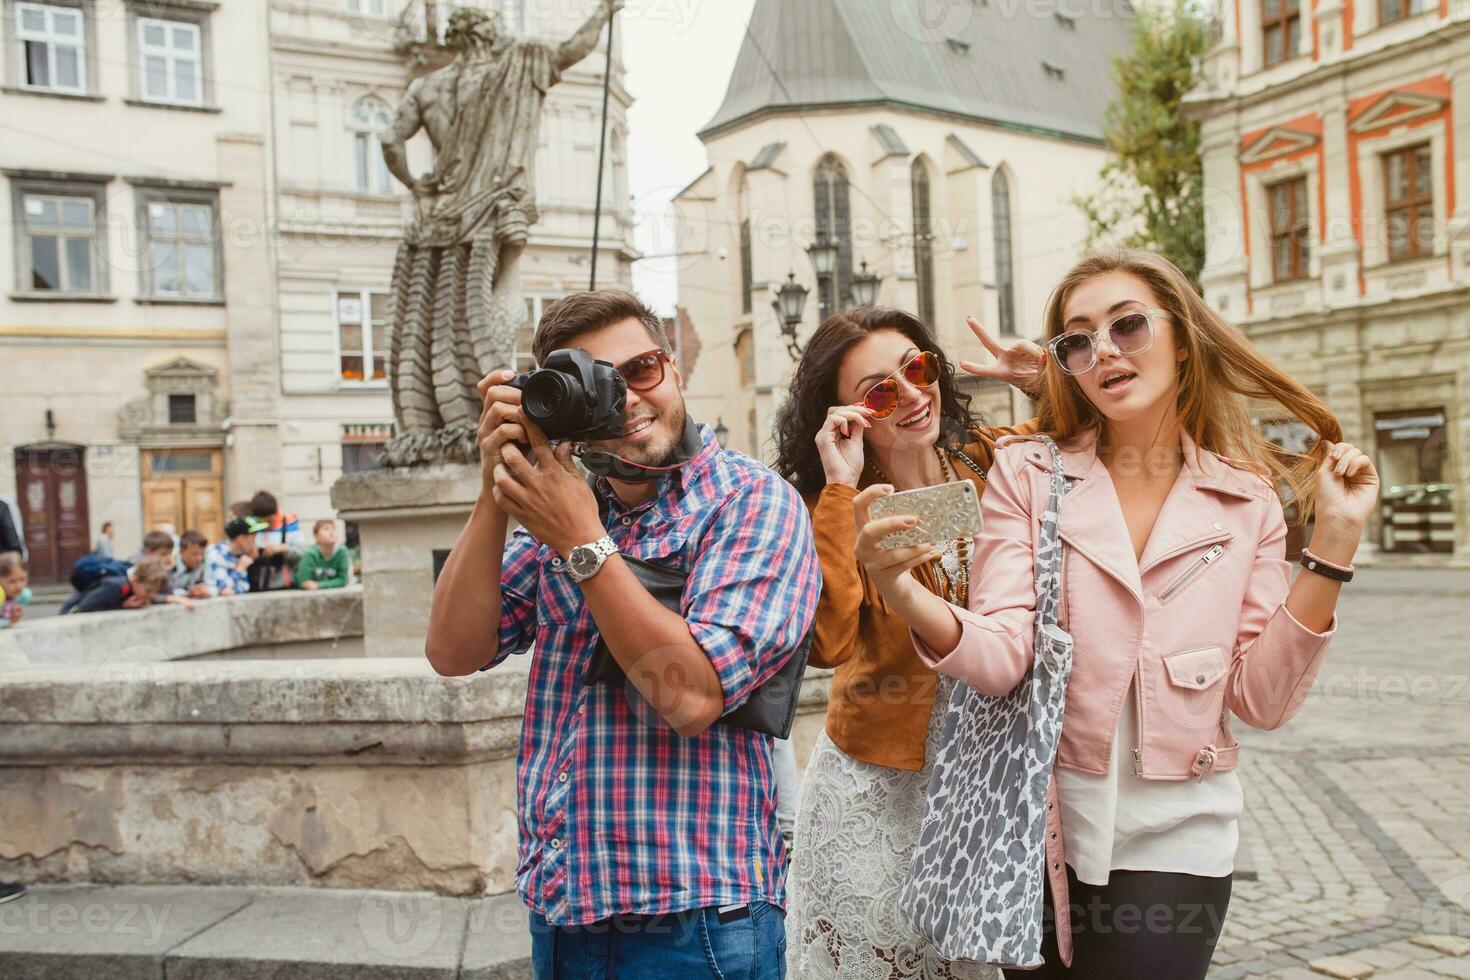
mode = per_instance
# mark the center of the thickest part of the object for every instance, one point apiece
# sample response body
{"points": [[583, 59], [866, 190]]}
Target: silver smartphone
{"points": [[945, 511]]}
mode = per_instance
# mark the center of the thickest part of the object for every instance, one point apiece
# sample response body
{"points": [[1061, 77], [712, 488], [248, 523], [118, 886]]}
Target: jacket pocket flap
{"points": [[1196, 669]]}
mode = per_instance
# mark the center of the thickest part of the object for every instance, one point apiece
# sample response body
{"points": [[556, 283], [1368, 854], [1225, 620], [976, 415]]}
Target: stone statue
{"points": [[457, 303]]}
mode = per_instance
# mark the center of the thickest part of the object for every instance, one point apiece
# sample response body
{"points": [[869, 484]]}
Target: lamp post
{"points": [[824, 254], [865, 287], [789, 304], [722, 432]]}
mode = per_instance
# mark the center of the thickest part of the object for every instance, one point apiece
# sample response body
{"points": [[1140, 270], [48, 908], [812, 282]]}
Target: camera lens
{"points": [[553, 401]]}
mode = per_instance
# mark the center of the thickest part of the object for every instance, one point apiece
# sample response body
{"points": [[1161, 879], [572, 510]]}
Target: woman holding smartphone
{"points": [[874, 402], [1175, 589]]}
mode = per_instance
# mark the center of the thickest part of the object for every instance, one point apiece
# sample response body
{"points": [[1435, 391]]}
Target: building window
{"points": [[747, 281], [171, 60], [59, 244], [1281, 29], [53, 47], [834, 223], [362, 336], [524, 359], [182, 410], [1290, 229], [180, 249], [923, 241], [512, 15], [1005, 273], [359, 457], [373, 8], [1417, 505], [1409, 207], [1392, 10], [370, 117]]}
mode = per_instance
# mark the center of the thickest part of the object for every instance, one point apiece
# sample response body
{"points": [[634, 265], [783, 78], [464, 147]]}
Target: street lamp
{"points": [[865, 286], [824, 254], [722, 432], [789, 304]]}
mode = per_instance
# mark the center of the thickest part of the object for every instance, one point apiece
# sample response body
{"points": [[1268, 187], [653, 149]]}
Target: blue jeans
{"points": [[744, 945]]}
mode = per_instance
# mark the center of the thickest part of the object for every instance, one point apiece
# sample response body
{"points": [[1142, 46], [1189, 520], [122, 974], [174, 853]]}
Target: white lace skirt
{"points": [[856, 827]]}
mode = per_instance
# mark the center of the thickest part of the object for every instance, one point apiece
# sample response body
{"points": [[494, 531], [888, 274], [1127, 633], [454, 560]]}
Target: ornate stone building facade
{"points": [[941, 156], [1334, 146], [199, 240]]}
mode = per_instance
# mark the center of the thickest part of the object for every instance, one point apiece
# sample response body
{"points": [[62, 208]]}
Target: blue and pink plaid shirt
{"points": [[620, 814]]}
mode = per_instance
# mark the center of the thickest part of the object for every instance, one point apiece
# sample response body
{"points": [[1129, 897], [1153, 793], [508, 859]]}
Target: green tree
{"points": [[1151, 194]]}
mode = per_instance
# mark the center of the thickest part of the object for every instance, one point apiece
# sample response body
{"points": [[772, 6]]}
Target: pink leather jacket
{"points": [[1200, 622]]}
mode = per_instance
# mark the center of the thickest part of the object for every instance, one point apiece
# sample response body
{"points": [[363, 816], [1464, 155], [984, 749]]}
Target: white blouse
{"points": [[1120, 822]]}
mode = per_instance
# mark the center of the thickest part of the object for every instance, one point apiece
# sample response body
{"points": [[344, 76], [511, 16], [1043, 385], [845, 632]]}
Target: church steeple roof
{"points": [[1040, 65]]}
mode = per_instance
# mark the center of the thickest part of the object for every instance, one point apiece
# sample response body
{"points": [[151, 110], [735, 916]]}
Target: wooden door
{"points": [[53, 506], [184, 487]]}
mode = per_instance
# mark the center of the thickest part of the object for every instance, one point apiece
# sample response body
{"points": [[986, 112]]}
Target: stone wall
{"points": [[271, 625], [346, 773]]}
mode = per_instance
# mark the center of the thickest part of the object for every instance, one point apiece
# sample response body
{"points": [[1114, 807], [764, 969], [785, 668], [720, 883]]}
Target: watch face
{"points": [[582, 561]]}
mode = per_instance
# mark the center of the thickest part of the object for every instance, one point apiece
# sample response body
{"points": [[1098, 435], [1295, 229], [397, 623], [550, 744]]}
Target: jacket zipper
{"points": [[1138, 720], [1192, 573]]}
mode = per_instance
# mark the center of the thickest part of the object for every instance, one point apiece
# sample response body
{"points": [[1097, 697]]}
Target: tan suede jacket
{"points": [[882, 693]]}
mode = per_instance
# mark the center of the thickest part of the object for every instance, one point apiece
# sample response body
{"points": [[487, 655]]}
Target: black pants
{"points": [[1141, 923]]}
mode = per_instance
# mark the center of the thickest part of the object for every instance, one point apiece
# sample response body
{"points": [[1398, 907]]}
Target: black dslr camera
{"points": [[574, 397]]}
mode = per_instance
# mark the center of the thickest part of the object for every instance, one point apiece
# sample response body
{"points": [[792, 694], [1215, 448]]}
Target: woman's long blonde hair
{"points": [[1223, 369]]}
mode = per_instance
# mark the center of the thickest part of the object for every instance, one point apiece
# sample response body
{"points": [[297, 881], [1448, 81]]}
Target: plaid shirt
{"points": [[221, 571], [618, 813]]}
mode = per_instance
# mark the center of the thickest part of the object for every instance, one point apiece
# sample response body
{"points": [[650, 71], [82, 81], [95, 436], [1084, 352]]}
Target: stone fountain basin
{"points": [[286, 625], [368, 772]]}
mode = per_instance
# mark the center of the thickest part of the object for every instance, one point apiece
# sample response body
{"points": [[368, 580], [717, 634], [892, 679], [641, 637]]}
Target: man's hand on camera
{"points": [[543, 490], [500, 421]]}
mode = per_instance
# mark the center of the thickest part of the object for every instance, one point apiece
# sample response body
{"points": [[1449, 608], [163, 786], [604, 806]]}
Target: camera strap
{"points": [[615, 467]]}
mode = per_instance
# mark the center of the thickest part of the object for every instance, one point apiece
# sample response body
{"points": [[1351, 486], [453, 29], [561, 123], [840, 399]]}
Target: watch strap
{"points": [[1338, 573]]}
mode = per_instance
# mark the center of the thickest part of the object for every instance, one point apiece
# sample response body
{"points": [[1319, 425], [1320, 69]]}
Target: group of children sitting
{"points": [[182, 572]]}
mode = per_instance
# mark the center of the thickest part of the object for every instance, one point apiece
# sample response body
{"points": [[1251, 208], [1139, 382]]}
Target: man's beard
{"points": [[664, 453]]}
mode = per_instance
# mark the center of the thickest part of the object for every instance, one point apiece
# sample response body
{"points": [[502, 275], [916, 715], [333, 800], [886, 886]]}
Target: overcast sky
{"points": [[679, 54]]}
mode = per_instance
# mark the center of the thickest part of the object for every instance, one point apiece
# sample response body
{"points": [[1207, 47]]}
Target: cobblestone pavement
{"points": [[1357, 815]]}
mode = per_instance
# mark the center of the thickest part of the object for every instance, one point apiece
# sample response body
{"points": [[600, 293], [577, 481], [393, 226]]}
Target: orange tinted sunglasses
{"points": [[921, 371]]}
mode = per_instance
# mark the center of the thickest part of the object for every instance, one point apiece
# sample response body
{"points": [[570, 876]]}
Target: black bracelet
{"points": [[1314, 564]]}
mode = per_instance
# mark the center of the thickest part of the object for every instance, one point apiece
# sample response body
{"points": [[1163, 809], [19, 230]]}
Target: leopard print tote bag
{"points": [[975, 888]]}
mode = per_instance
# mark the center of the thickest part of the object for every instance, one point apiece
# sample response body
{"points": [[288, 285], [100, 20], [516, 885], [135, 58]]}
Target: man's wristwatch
{"points": [[587, 560]]}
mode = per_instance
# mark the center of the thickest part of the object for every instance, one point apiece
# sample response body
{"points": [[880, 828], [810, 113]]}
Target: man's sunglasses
{"points": [[921, 371], [646, 371], [1130, 333]]}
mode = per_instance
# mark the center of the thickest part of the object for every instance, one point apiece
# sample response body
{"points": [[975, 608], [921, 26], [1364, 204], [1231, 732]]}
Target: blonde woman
{"points": [[1176, 591]]}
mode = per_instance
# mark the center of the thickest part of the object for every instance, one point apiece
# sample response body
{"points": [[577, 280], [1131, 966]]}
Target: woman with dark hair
{"points": [[878, 400]]}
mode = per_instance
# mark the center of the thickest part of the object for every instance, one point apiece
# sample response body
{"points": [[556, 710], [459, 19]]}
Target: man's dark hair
{"points": [[264, 504], [158, 541], [193, 537], [579, 313]]}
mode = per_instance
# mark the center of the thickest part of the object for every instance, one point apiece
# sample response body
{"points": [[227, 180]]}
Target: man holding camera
{"points": [[648, 839]]}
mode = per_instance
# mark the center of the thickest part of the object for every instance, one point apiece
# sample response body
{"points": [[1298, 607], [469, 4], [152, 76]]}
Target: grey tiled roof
{"points": [[804, 53]]}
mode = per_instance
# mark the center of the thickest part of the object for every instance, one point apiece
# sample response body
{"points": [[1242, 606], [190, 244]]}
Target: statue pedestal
{"points": [[407, 519]]}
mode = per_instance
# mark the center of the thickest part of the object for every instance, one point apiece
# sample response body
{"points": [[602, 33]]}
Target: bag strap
{"points": [[1049, 559]]}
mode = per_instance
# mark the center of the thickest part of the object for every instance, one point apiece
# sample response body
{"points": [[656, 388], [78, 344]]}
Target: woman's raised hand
{"points": [[1018, 365], [1347, 486], [840, 443]]}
